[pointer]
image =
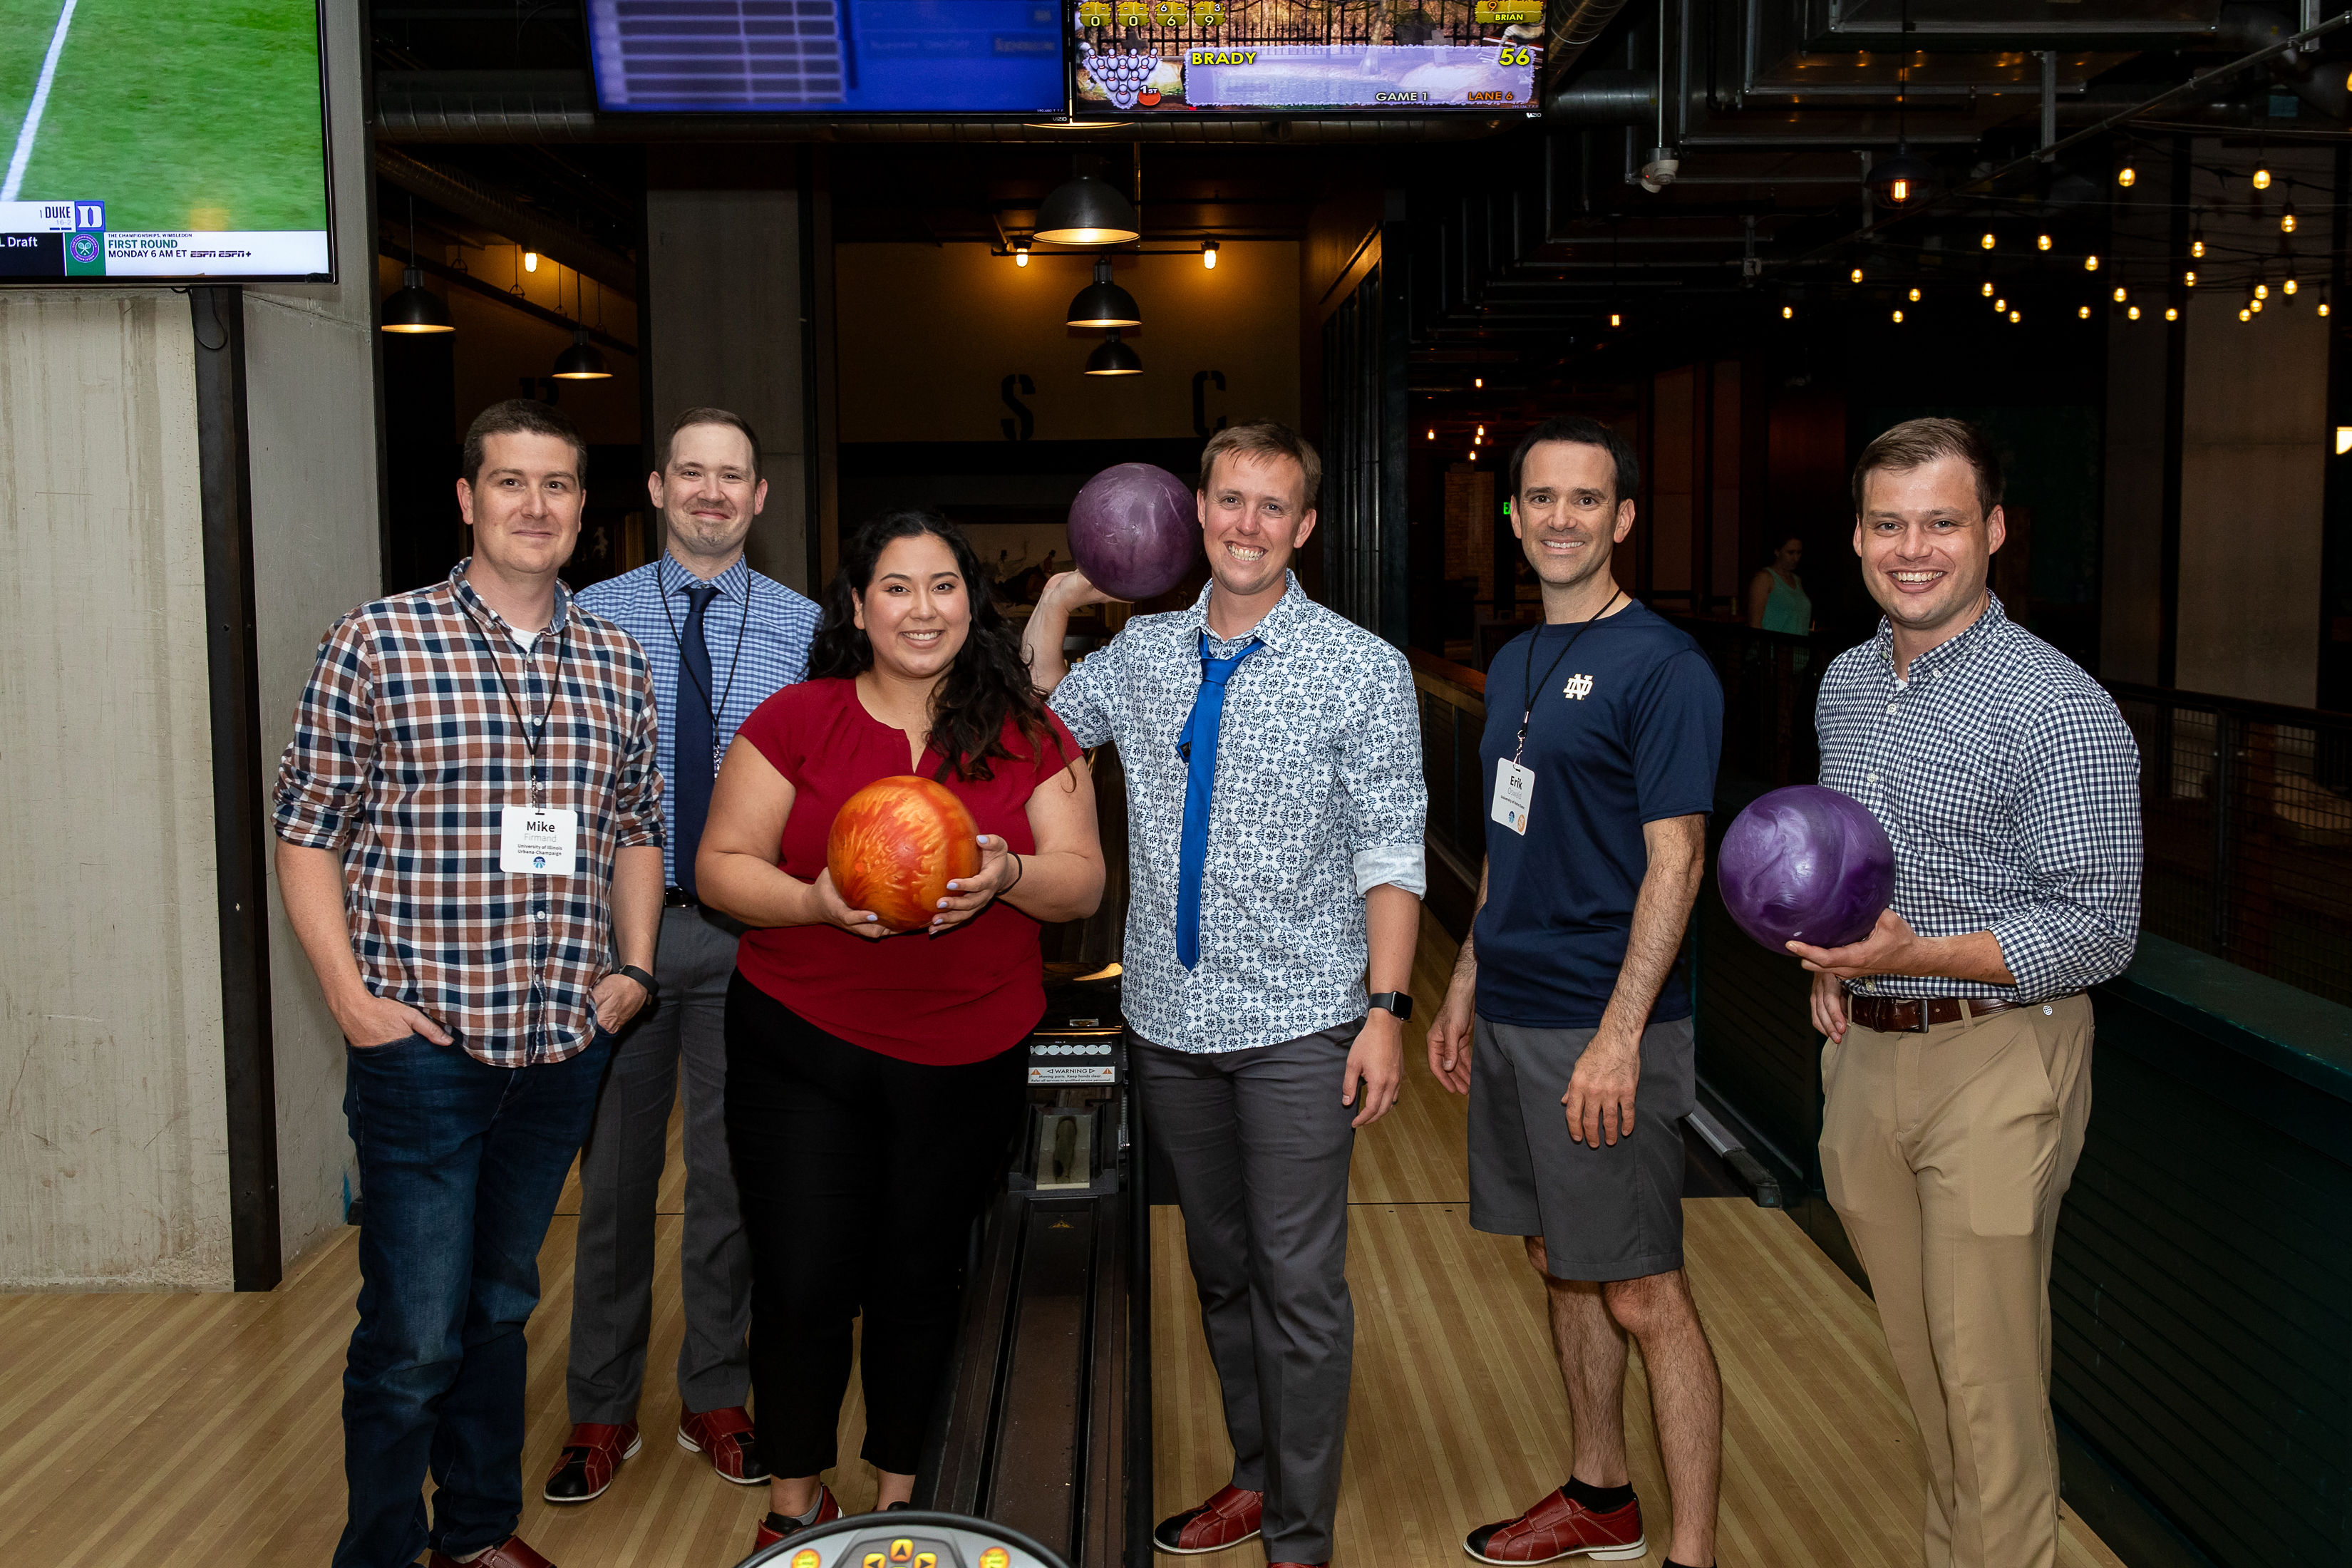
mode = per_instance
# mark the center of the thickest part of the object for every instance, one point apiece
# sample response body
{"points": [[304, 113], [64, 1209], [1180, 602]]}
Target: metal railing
{"points": [[1453, 700], [2246, 808]]}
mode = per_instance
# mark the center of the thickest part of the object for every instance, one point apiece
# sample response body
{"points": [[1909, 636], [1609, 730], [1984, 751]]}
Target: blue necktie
{"points": [[691, 751], [1198, 746]]}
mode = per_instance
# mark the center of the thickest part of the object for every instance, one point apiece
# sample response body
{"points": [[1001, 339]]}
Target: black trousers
{"points": [[860, 1176]]}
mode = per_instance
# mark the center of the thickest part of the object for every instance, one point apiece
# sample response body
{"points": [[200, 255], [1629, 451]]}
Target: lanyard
{"points": [[679, 635], [532, 737], [1534, 687]]}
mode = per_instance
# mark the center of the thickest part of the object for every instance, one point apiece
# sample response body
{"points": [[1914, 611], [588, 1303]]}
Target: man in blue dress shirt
{"points": [[719, 638], [1275, 804]]}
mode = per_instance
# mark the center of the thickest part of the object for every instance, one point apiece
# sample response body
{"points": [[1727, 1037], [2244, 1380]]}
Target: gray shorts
{"points": [[1611, 1213]]}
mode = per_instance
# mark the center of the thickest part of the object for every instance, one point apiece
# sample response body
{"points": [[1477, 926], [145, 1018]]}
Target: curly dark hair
{"points": [[989, 681]]}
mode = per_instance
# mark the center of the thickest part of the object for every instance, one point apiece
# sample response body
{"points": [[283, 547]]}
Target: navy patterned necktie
{"points": [[691, 767]]}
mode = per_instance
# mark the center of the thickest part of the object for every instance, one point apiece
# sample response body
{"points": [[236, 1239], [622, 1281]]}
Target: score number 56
{"points": [[1516, 55]]}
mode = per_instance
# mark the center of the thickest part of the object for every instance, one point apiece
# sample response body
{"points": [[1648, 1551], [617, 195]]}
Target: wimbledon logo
{"points": [[85, 247]]}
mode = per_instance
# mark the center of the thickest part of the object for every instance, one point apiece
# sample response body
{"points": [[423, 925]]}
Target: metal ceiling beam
{"points": [[493, 209]]}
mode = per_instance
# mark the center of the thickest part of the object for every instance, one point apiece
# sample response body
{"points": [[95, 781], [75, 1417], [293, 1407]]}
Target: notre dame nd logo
{"points": [[1578, 687]]}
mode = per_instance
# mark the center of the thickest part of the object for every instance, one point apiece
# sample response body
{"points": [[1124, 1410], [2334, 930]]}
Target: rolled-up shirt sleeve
{"points": [[1087, 699], [2078, 822], [322, 777], [638, 793], [1387, 800]]}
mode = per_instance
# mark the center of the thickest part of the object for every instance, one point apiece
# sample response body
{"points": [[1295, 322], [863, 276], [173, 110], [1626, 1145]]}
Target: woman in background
{"points": [[874, 1088], [1776, 597]]}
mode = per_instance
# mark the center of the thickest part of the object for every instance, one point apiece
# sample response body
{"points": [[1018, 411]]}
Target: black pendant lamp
{"points": [[1905, 178], [1103, 303], [1086, 211], [1113, 358], [411, 308], [582, 361]]}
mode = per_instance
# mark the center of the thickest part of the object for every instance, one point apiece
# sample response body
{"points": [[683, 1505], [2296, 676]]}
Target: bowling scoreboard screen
{"points": [[1256, 57], [160, 141], [828, 57]]}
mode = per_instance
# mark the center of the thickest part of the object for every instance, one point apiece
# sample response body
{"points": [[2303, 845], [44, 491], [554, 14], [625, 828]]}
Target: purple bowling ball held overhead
{"points": [[1134, 531], [1806, 864]]}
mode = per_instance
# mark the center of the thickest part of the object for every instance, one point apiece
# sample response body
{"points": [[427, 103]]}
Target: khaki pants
{"points": [[1947, 1155]]}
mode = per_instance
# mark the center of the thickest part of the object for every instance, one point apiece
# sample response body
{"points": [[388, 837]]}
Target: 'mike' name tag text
{"points": [[1515, 789], [535, 841]]}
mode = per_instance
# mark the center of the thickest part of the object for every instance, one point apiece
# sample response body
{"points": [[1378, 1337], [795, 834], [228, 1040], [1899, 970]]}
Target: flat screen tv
{"points": [[828, 57], [162, 141], [1321, 56]]}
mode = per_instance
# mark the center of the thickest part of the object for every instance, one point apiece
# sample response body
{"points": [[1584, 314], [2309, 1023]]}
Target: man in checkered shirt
{"points": [[470, 850], [1958, 1067]]}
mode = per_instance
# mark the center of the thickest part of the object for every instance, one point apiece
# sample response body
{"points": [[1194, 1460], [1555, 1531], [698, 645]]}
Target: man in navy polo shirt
{"points": [[1603, 730]]}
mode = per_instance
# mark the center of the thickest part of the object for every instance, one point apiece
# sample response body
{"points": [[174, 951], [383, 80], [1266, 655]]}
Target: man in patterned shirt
{"points": [[1275, 805], [720, 640], [470, 846], [1958, 1067]]}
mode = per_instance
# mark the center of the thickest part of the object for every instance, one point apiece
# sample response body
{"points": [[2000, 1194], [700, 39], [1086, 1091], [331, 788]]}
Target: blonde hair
{"points": [[1264, 438]]}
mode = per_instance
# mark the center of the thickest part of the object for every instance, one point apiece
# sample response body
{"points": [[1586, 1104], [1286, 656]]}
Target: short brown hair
{"points": [[519, 416], [1265, 438], [1916, 443], [726, 417]]}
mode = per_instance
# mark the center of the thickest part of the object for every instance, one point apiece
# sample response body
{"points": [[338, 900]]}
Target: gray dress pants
{"points": [[1260, 1145], [620, 1173]]}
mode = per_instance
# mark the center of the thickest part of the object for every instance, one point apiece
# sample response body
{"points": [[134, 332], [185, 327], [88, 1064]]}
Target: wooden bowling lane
{"points": [[1457, 1419]]}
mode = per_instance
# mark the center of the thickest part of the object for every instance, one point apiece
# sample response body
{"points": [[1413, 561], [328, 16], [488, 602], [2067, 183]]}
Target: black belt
{"points": [[1916, 1014], [679, 899]]}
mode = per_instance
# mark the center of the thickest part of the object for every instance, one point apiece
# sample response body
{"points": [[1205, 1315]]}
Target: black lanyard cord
{"points": [[531, 738], [734, 661], [1533, 687]]}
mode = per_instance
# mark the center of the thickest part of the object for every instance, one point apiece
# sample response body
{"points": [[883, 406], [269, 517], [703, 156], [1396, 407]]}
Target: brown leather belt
{"points": [[1916, 1015]]}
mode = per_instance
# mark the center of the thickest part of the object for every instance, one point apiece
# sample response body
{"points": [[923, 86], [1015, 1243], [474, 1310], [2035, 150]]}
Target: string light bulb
{"points": [[1999, 306], [1020, 253], [1209, 254], [1988, 289], [2014, 317], [2127, 177], [2090, 264], [2245, 315], [2290, 285], [1478, 382], [1986, 240], [2261, 179], [2189, 278], [2287, 219], [2196, 242], [2084, 312], [2120, 294], [1787, 312], [531, 261], [1432, 432], [1482, 432], [2322, 301], [2041, 242], [1616, 319], [2256, 307], [1915, 296], [1855, 275], [2133, 313], [2261, 290], [1898, 318], [2172, 312]]}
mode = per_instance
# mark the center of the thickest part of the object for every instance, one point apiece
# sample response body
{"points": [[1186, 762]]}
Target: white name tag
{"points": [[1515, 789], [535, 841]]}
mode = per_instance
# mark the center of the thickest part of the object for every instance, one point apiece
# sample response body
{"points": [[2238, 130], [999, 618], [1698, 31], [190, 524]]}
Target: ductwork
{"points": [[1580, 23], [477, 202], [1606, 97]]}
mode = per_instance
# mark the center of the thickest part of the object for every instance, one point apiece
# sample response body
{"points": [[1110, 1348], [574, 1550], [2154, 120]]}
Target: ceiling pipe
{"points": [[1605, 97], [477, 202], [1581, 25]]}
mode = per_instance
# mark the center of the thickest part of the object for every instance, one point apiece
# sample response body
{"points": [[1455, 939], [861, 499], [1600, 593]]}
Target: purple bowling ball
{"points": [[1806, 864], [1134, 531]]}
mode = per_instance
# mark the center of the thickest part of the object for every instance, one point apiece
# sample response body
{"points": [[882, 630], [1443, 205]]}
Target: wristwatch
{"points": [[642, 978], [1395, 1002]]}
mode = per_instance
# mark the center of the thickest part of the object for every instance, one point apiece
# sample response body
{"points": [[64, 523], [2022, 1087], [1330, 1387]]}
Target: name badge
{"points": [[535, 841], [1515, 789]]}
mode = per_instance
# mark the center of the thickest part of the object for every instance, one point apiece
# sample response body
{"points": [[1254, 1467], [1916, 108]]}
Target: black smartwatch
{"points": [[1395, 1002], [642, 978]]}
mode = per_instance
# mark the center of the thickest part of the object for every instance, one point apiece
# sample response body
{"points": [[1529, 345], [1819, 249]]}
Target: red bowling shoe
{"points": [[511, 1553], [724, 1437], [1228, 1518], [769, 1534], [592, 1457], [1560, 1527]]}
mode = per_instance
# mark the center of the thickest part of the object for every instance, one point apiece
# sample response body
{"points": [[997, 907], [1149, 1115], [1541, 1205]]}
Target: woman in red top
{"points": [[874, 1088]]}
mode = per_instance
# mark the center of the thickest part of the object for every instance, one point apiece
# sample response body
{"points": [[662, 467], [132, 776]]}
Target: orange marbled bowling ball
{"points": [[897, 844]]}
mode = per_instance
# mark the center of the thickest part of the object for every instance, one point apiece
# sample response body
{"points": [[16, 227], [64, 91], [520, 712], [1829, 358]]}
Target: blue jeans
{"points": [[460, 1165]]}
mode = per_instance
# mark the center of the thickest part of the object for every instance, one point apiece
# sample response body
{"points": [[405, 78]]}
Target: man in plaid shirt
{"points": [[470, 849], [1958, 1067]]}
